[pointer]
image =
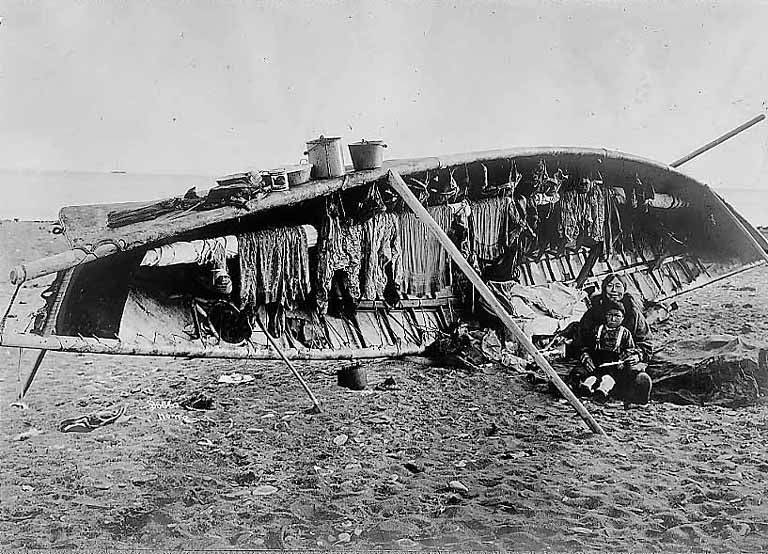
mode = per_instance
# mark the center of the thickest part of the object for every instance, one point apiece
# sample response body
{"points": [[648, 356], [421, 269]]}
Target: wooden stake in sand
{"points": [[290, 365], [397, 183]]}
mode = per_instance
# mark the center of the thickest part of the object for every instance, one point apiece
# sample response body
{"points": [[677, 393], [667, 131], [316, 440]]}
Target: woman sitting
{"points": [[613, 290], [611, 363]]}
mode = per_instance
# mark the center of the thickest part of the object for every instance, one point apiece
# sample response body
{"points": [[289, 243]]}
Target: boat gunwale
{"points": [[157, 230]]}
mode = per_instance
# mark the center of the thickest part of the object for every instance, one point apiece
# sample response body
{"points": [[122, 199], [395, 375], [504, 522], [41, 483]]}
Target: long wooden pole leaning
{"points": [[719, 140], [290, 365], [31, 377], [397, 183]]}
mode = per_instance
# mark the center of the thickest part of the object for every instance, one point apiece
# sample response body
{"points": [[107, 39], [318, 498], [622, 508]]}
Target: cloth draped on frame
{"points": [[425, 262], [274, 267], [380, 247], [339, 248], [497, 225]]}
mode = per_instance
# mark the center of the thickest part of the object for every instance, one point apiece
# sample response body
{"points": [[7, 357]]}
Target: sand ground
{"points": [[445, 458]]}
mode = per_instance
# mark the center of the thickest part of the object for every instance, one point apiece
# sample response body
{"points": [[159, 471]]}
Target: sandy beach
{"points": [[428, 457]]}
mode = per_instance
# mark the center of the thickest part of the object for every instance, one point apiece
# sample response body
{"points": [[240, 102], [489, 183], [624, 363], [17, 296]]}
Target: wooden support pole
{"points": [[60, 343], [31, 377], [58, 262], [719, 140], [399, 185], [694, 288], [586, 270], [290, 366]]}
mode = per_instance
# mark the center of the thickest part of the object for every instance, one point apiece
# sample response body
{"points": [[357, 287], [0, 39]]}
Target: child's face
{"points": [[613, 318]]}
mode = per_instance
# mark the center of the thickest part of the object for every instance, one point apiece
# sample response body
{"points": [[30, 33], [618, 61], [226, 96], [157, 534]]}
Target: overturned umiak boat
{"points": [[341, 269]]}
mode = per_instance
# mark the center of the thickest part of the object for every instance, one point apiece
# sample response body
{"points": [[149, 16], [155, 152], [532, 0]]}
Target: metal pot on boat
{"points": [[367, 154], [299, 174], [326, 157]]}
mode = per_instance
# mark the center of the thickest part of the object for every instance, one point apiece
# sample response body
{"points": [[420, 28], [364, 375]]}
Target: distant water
{"points": [[40, 195]]}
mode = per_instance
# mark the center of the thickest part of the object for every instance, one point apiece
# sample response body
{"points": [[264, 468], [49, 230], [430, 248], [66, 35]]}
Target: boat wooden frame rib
{"points": [[91, 240]]}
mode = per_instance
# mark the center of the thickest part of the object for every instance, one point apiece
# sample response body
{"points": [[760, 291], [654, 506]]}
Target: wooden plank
{"points": [[435, 324], [681, 275], [412, 319], [402, 189], [408, 303], [564, 268], [401, 328], [647, 286], [554, 272], [370, 329], [538, 274], [336, 332], [575, 262], [667, 285], [524, 277], [384, 330], [694, 265], [697, 286], [427, 324], [634, 282]]}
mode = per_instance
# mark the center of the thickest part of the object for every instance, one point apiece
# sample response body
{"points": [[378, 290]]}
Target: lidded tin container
{"points": [[367, 154], [326, 157]]}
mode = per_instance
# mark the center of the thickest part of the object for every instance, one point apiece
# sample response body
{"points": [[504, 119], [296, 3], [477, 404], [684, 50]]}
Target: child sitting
{"points": [[611, 364]]}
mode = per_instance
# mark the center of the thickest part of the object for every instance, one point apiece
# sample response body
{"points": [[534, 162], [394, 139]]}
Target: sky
{"points": [[206, 88]]}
